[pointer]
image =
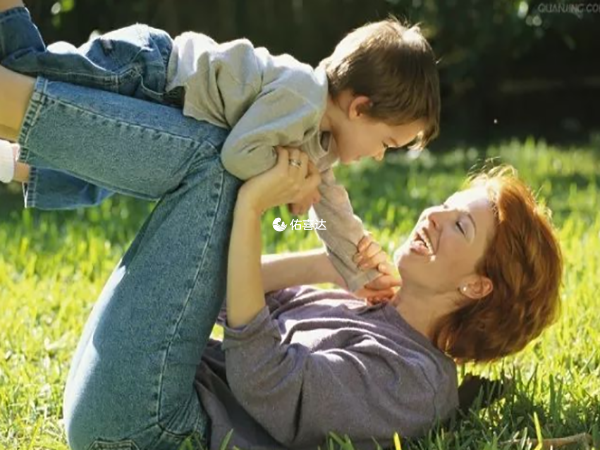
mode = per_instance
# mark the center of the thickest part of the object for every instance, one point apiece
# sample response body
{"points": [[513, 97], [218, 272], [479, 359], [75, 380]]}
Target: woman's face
{"points": [[447, 243]]}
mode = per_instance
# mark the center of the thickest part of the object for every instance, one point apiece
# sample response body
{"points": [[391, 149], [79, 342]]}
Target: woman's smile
{"points": [[421, 243]]}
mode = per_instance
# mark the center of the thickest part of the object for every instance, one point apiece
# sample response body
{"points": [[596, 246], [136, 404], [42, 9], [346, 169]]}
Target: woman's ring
{"points": [[295, 163]]}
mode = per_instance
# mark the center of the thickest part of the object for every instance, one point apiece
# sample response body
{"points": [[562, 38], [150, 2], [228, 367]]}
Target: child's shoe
{"points": [[7, 161]]}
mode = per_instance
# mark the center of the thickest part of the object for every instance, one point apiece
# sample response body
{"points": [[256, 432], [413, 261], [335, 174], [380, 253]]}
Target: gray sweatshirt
{"points": [[315, 361], [268, 101]]}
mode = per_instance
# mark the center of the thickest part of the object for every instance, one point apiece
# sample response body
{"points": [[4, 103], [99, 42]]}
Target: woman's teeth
{"points": [[427, 242], [422, 244]]}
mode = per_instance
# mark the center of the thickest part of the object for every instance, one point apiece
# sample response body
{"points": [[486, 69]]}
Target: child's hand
{"points": [[381, 289], [370, 256], [301, 207]]}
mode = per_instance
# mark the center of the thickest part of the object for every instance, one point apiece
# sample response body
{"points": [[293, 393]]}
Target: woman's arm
{"points": [[280, 185], [249, 278], [245, 292], [280, 271]]}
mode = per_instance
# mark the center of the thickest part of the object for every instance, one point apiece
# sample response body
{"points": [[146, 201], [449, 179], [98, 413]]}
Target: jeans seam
{"points": [[30, 189], [31, 117], [110, 79], [14, 11], [188, 298], [100, 444]]}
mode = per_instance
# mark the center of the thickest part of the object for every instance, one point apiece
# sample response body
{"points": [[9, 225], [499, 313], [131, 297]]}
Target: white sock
{"points": [[7, 162]]}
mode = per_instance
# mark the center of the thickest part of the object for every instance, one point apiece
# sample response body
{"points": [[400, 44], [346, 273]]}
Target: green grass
{"points": [[53, 265]]}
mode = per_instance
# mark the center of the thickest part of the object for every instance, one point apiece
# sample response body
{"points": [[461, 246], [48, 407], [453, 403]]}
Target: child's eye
{"points": [[461, 228]]}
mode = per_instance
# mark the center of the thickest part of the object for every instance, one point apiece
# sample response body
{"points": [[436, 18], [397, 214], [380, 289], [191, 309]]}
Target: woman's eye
{"points": [[461, 228]]}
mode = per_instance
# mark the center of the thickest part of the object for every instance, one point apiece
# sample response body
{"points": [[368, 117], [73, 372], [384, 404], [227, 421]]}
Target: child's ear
{"points": [[359, 106]]}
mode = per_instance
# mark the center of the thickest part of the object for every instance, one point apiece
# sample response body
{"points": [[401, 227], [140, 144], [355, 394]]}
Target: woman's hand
{"points": [[304, 205], [381, 289], [284, 183]]}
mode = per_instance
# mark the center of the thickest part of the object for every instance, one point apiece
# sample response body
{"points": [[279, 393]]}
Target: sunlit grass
{"points": [[53, 265]]}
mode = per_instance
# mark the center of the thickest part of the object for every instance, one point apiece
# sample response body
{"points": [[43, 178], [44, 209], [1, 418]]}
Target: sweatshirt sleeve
{"points": [[343, 232], [278, 117], [363, 390]]}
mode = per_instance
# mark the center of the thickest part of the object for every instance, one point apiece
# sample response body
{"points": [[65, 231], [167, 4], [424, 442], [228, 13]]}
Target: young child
{"points": [[378, 90]]}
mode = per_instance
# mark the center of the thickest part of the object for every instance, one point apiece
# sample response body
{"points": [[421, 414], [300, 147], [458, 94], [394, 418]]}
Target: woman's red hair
{"points": [[524, 262]]}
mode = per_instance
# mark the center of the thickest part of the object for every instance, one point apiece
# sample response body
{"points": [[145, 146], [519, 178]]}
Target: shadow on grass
{"points": [[503, 414]]}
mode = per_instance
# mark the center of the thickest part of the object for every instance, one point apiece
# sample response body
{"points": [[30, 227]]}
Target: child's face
{"points": [[358, 136]]}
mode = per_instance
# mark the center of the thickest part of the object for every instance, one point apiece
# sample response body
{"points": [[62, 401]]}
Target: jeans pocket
{"points": [[120, 48], [100, 444], [136, 64], [194, 441]]}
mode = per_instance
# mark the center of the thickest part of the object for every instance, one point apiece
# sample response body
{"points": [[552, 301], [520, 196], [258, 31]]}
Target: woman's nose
{"points": [[436, 216], [433, 220]]}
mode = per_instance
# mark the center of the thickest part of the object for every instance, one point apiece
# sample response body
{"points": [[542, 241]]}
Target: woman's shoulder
{"points": [[437, 373], [419, 363], [411, 377]]}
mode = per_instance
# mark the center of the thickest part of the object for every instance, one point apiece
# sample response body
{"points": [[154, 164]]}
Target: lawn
{"points": [[53, 266]]}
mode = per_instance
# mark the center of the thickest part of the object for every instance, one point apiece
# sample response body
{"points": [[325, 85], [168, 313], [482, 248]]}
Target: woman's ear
{"points": [[359, 106], [477, 288]]}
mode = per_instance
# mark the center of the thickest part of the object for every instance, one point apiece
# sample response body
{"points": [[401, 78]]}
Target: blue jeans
{"points": [[131, 61], [131, 382]]}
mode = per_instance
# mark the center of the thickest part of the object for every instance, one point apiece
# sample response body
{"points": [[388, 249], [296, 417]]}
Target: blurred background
{"points": [[509, 69]]}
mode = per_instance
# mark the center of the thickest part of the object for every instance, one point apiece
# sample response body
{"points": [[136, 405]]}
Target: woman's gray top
{"points": [[319, 360]]}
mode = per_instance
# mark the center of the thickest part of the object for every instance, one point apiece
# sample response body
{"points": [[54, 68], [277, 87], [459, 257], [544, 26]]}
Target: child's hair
{"points": [[524, 262], [395, 67]]}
